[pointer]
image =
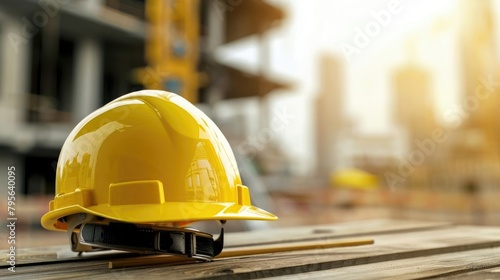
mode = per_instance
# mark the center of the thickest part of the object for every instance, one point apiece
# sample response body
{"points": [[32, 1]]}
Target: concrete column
{"points": [[215, 39], [88, 78], [91, 6], [15, 56]]}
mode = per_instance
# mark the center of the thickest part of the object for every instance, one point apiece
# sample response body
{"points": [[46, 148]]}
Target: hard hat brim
{"points": [[166, 212]]}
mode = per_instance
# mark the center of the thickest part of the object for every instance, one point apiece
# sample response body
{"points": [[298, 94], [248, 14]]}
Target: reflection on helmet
{"points": [[149, 157]]}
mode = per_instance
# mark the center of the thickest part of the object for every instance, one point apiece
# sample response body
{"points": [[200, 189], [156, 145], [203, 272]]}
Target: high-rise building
{"points": [[413, 106], [479, 65], [328, 110], [59, 61]]}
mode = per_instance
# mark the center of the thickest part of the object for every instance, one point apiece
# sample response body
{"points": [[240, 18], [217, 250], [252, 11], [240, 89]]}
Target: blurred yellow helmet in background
{"points": [[149, 157], [354, 179]]}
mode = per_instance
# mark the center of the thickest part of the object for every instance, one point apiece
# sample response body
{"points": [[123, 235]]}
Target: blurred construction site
{"points": [[335, 110]]}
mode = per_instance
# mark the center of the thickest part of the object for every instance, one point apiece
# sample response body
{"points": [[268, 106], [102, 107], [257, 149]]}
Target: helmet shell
{"points": [[149, 157]]}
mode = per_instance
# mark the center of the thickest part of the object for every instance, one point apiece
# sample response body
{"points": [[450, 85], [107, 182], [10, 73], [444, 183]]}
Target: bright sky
{"points": [[324, 26]]}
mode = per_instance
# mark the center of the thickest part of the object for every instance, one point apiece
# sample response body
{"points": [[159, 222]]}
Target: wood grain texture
{"points": [[405, 253], [271, 236], [458, 265], [474, 274], [242, 252], [340, 230]]}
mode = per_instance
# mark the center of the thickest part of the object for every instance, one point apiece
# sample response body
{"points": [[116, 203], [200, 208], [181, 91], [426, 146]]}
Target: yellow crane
{"points": [[172, 47]]}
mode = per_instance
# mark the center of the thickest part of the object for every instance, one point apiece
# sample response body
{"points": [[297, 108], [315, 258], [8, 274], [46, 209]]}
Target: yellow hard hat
{"points": [[149, 157], [354, 178]]}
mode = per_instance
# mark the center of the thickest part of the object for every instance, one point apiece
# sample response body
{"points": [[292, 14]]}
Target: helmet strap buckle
{"points": [[74, 223], [147, 239]]}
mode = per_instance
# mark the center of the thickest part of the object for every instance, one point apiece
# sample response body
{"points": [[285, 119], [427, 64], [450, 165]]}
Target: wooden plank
{"points": [[61, 253], [476, 264], [26, 256], [475, 274], [387, 249], [242, 252], [340, 230]]}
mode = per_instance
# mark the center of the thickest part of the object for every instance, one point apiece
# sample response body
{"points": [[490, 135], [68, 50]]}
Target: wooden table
{"points": [[402, 250]]}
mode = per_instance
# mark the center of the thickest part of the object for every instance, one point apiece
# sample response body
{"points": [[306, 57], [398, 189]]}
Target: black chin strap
{"points": [[130, 237]]}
